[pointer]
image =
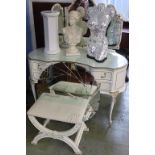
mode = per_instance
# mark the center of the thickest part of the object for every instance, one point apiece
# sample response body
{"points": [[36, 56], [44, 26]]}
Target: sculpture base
{"points": [[73, 54], [88, 56], [72, 51], [95, 59], [100, 60]]}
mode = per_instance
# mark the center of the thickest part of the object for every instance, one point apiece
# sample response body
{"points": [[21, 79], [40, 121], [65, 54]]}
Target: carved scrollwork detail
{"points": [[37, 68]]}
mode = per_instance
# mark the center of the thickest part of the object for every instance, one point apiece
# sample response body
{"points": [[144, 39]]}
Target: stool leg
{"points": [[80, 132], [38, 137], [72, 144], [86, 128], [65, 139], [46, 122], [63, 136]]}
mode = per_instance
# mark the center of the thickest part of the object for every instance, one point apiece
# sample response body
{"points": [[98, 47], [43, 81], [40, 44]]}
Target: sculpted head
{"points": [[74, 17]]}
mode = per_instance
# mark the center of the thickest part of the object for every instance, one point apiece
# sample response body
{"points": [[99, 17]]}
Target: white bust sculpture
{"points": [[73, 33]]}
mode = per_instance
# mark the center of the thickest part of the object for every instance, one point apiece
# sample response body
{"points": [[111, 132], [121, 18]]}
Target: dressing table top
{"points": [[113, 61]]}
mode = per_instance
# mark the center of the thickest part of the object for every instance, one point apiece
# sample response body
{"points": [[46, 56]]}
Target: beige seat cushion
{"points": [[60, 108], [74, 88]]}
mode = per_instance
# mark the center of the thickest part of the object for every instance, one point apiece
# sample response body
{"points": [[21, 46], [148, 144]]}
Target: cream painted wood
{"points": [[48, 107], [112, 80], [58, 135], [110, 74], [112, 83], [33, 89], [114, 95], [102, 75]]}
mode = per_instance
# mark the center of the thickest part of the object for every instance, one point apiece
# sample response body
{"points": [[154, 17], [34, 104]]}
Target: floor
{"points": [[100, 140]]}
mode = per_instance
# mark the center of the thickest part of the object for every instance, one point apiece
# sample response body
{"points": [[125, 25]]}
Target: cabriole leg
{"points": [[33, 89], [114, 95]]}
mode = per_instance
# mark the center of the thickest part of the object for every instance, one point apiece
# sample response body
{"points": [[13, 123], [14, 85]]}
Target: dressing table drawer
{"points": [[105, 86], [102, 75]]}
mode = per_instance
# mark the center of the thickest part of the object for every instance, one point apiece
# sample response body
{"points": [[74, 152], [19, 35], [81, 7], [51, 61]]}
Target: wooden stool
{"points": [[65, 109]]}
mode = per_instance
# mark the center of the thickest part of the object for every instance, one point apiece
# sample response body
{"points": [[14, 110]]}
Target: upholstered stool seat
{"points": [[60, 108]]}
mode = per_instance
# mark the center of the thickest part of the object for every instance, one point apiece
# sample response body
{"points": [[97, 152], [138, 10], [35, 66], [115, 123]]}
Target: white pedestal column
{"points": [[51, 38]]}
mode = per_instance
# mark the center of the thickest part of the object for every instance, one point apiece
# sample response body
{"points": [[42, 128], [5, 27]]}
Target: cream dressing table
{"points": [[110, 74]]}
